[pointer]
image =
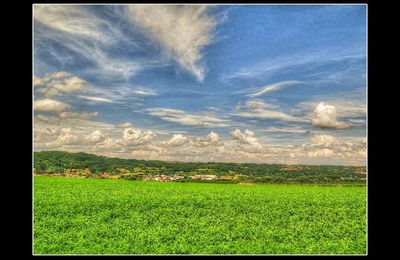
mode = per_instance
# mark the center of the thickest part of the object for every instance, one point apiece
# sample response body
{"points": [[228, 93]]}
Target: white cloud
{"points": [[247, 137], [211, 139], [269, 114], [270, 66], [182, 31], [326, 117], [184, 118], [125, 125], [109, 145], [50, 105], [46, 119], [58, 83], [75, 20], [272, 87], [109, 140], [350, 104], [261, 110], [321, 153], [96, 99], [117, 94], [95, 137], [65, 137], [82, 115], [257, 104], [324, 140], [293, 129], [133, 136], [177, 139], [88, 35], [144, 92]]}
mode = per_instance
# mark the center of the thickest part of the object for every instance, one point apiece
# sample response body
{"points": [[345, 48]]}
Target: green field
{"points": [[103, 216]]}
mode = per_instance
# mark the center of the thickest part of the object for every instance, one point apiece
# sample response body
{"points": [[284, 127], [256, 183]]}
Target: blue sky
{"points": [[251, 83]]}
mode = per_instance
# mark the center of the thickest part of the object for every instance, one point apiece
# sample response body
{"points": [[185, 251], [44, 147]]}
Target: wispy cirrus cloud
{"points": [[116, 94], [269, 114], [75, 20], [258, 109], [96, 99], [86, 38], [62, 83], [290, 130], [272, 87], [182, 31], [185, 118], [271, 66]]}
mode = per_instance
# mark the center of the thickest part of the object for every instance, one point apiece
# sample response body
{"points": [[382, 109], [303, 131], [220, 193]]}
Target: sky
{"points": [[229, 83]]}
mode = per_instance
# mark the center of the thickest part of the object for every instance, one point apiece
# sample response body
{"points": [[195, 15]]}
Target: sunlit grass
{"points": [[100, 216]]}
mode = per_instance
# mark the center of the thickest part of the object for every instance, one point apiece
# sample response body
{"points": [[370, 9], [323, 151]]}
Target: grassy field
{"points": [[100, 216]]}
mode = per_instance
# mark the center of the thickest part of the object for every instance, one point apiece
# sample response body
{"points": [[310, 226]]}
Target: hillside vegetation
{"points": [[89, 165]]}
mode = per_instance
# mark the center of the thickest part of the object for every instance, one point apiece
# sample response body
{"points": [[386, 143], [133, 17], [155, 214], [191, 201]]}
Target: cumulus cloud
{"points": [[95, 137], [326, 117], [65, 137], [109, 145], [324, 140], [109, 140], [133, 136], [182, 31], [211, 139], [327, 147], [272, 87], [247, 137], [50, 105], [177, 139], [321, 153], [58, 83], [46, 119], [351, 104]]}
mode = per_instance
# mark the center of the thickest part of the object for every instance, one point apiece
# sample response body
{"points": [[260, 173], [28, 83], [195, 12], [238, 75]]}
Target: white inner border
{"points": [[92, 4]]}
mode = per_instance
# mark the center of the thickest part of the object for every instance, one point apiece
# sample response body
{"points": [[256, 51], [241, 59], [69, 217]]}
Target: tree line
{"points": [[52, 162]]}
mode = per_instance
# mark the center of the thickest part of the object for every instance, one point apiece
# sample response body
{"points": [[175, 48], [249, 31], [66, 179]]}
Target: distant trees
{"points": [[49, 162]]}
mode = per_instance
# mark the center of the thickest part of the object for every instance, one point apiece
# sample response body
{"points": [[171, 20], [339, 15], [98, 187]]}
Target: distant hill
{"points": [[58, 162]]}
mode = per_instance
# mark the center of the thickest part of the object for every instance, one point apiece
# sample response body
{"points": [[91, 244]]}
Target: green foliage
{"points": [[49, 162], [100, 216]]}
